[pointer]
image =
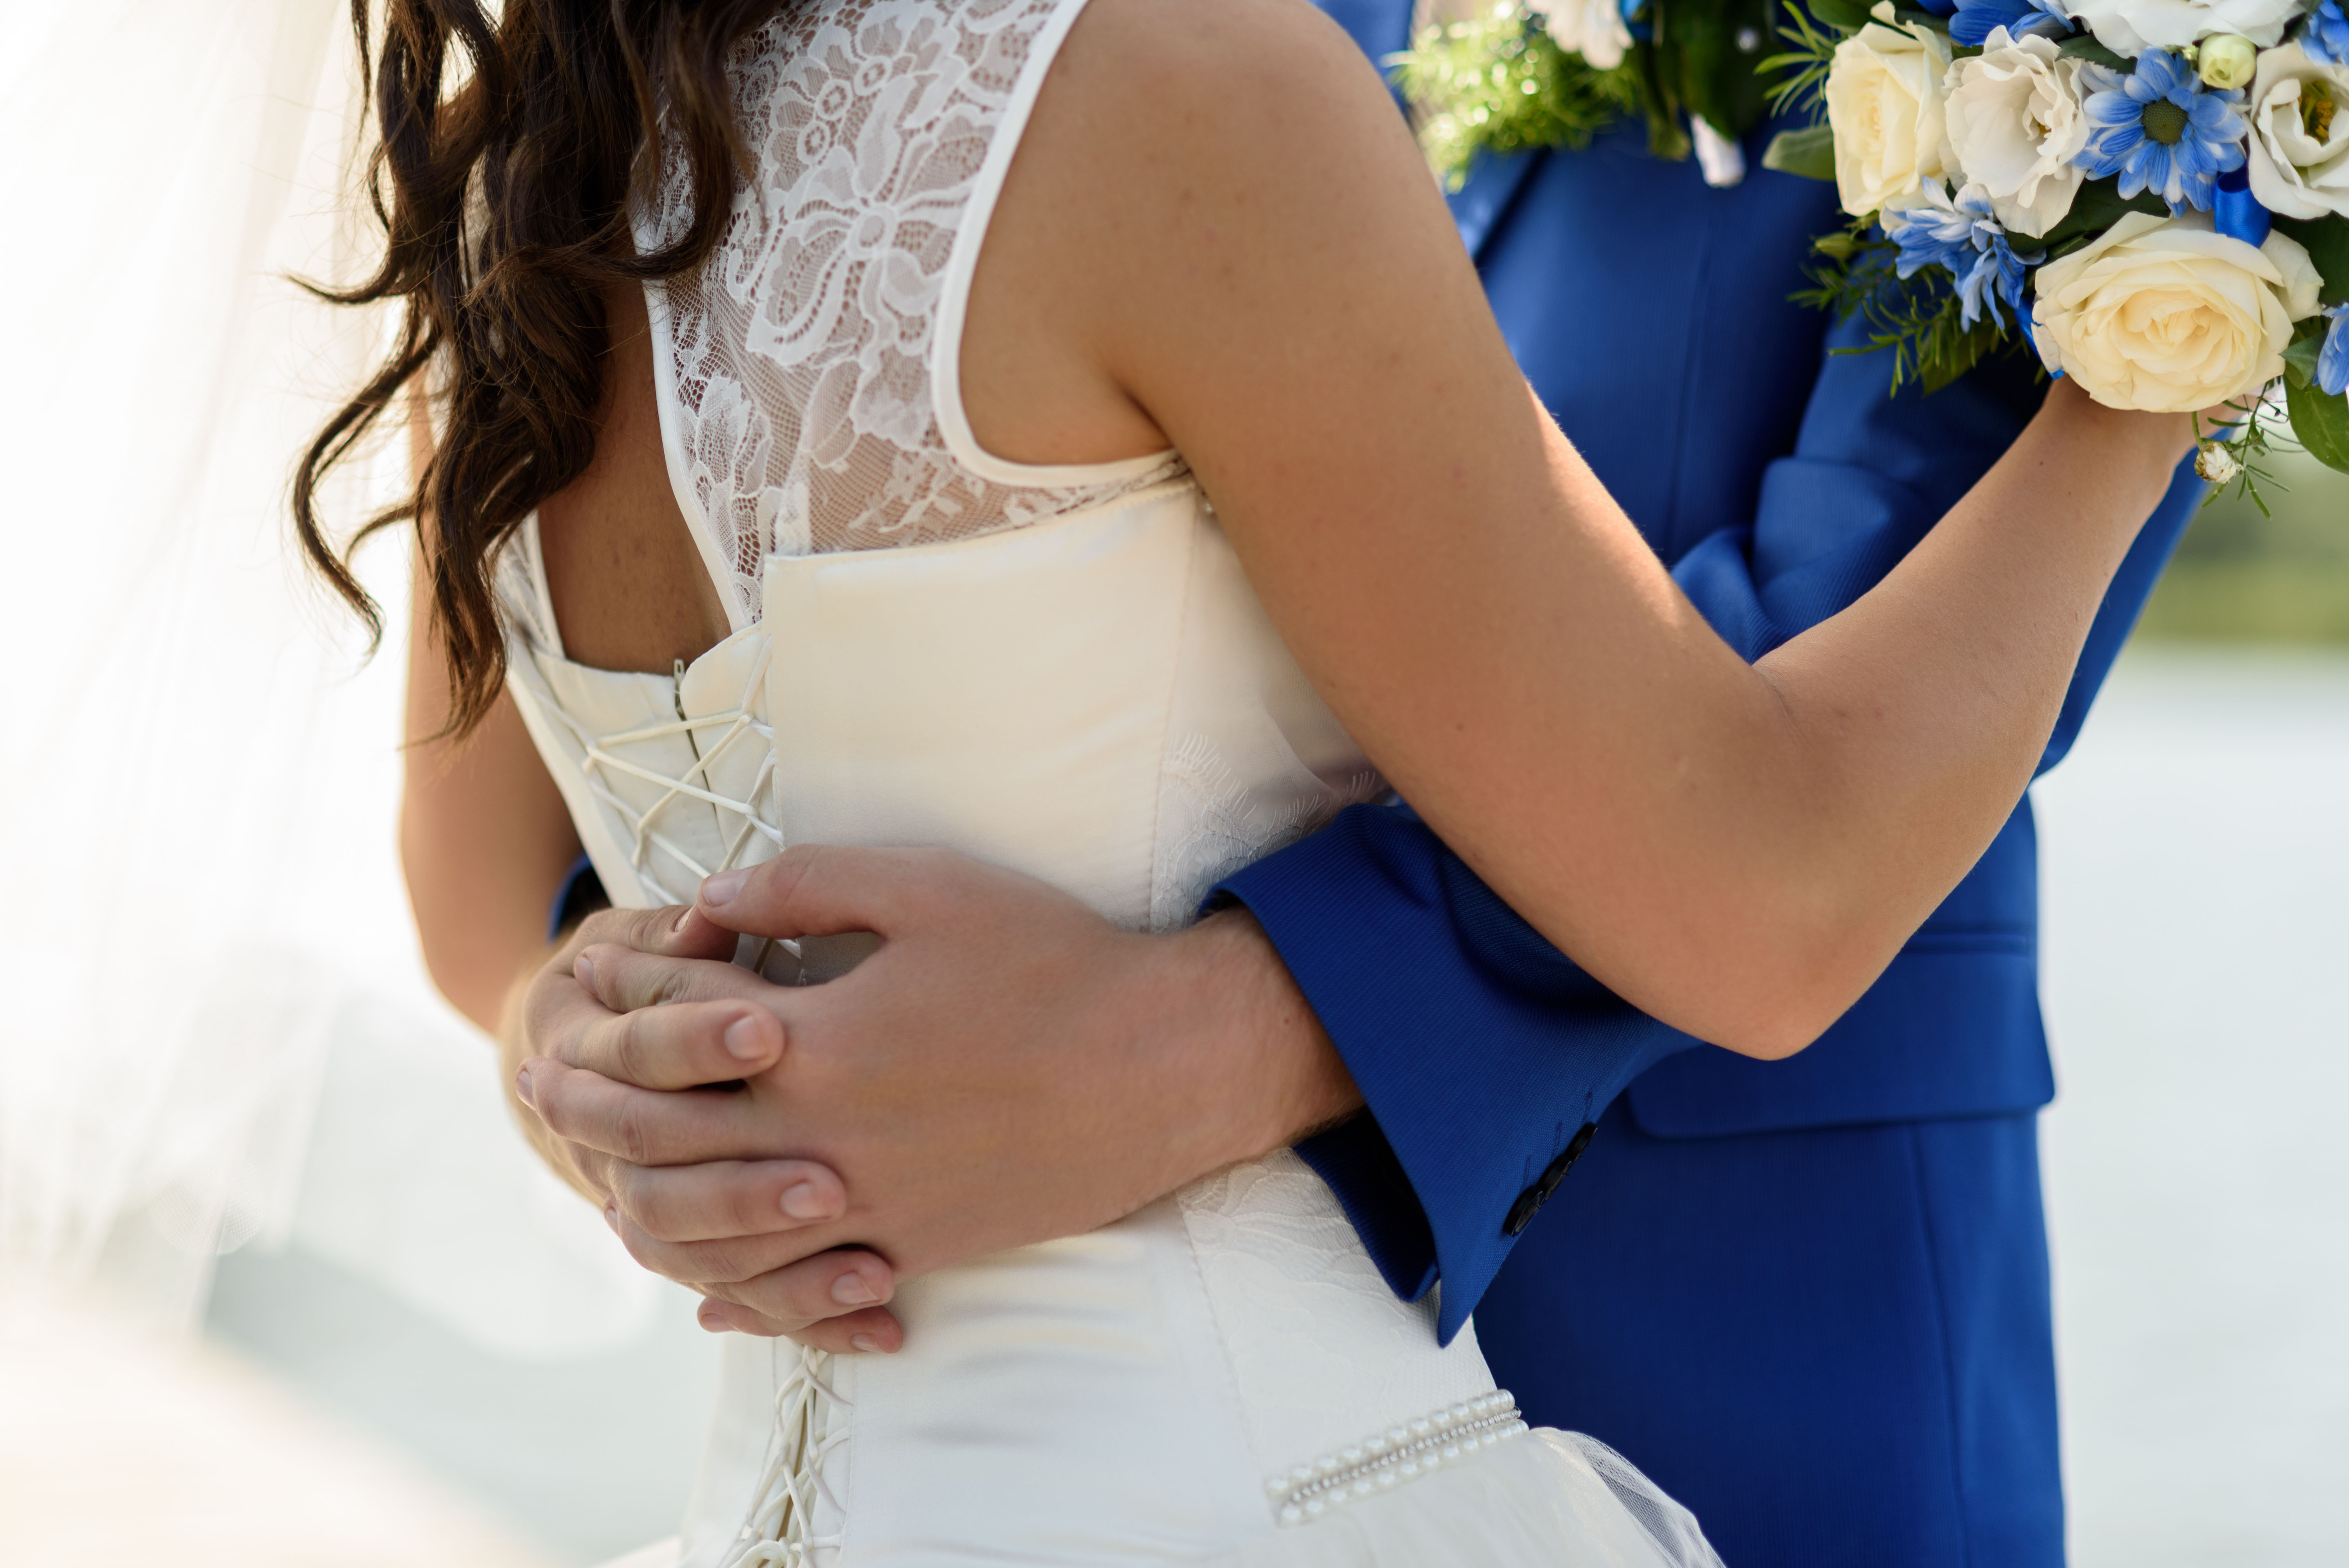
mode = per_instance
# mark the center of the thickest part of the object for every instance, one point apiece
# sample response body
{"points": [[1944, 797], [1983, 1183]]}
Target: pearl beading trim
{"points": [[1396, 1455]]}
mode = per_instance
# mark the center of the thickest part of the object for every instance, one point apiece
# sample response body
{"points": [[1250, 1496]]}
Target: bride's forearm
{"points": [[1933, 696], [1825, 801], [1740, 851], [1918, 715]]}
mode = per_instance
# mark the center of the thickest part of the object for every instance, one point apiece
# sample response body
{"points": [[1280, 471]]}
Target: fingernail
{"points": [[612, 1215], [745, 1041], [521, 1087], [584, 972], [709, 1318], [851, 1289], [865, 1343], [805, 1200], [721, 888]]}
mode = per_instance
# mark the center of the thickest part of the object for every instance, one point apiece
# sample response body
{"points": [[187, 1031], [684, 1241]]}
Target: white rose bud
{"points": [[2227, 60], [2215, 463], [2299, 112], [2168, 316], [1884, 105], [2015, 124]]}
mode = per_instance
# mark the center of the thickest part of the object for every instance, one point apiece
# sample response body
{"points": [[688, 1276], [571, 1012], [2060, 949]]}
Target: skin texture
{"points": [[1210, 201]]}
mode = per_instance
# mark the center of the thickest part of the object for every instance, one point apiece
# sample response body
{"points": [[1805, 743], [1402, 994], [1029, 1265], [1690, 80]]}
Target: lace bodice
{"points": [[812, 364]]}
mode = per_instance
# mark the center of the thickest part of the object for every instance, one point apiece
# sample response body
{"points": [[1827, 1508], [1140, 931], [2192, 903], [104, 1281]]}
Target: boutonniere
{"points": [[1554, 73], [2153, 195]]}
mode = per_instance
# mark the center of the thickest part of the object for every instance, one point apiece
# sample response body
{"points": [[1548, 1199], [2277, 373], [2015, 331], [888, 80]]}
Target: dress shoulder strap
{"points": [[810, 397], [962, 266]]}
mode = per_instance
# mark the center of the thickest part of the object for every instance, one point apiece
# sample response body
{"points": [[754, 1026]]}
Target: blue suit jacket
{"points": [[1781, 481]]}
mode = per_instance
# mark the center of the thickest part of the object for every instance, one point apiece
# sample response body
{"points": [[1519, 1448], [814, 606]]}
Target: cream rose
{"points": [[2299, 112], [1884, 105], [2014, 126], [1594, 30], [2168, 316], [2132, 26]]}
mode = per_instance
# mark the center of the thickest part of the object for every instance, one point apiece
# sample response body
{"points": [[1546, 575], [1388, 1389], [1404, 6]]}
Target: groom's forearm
{"points": [[1277, 1077]]}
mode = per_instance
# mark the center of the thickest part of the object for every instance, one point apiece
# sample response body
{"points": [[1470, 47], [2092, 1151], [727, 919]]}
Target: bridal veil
{"points": [[217, 1026]]}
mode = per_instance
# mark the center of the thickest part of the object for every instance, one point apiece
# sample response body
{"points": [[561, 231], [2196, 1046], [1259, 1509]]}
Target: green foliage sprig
{"points": [[2250, 440], [1802, 69], [1500, 84], [1917, 318]]}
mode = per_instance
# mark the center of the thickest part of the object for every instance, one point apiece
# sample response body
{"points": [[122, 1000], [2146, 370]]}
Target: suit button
{"points": [[1529, 1201]]}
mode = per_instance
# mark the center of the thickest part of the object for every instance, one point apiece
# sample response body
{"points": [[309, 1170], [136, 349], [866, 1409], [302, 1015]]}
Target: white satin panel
{"points": [[1098, 701]]}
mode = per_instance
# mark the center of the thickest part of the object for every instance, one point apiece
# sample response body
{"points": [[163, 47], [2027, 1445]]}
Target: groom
{"points": [[1809, 1298]]}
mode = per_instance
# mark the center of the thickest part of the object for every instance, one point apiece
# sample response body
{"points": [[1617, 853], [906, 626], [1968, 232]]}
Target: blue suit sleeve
{"points": [[1481, 1050]]}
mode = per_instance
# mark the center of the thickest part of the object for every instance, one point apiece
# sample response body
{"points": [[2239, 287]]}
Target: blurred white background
{"points": [[2196, 906]]}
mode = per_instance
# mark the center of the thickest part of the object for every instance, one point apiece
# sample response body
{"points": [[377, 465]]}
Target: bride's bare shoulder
{"points": [[1195, 171], [1193, 85], [1164, 41]]}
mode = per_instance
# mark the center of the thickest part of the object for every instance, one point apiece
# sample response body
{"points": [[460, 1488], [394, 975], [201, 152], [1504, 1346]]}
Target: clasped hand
{"points": [[1005, 1069]]}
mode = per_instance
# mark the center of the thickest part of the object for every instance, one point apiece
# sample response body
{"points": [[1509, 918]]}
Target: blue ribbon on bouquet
{"points": [[2236, 212]]}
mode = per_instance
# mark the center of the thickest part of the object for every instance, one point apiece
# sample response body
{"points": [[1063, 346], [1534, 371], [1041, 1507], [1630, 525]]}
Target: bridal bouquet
{"points": [[2154, 193]]}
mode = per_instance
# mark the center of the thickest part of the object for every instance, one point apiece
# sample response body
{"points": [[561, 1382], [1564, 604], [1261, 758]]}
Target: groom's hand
{"points": [[1006, 1068], [701, 1038]]}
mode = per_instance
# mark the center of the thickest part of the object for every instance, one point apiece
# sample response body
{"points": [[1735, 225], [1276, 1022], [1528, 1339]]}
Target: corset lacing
{"points": [[736, 725], [778, 1532]]}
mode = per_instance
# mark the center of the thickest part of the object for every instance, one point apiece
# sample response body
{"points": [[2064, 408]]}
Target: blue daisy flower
{"points": [[2325, 35], [1976, 19], [2333, 360], [1961, 235], [2160, 129]]}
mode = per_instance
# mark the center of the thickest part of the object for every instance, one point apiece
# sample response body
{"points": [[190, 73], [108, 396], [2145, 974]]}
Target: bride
{"points": [[1071, 434]]}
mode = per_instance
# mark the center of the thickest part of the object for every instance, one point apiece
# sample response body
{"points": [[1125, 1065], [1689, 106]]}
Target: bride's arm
{"points": [[484, 841], [484, 845], [1216, 227]]}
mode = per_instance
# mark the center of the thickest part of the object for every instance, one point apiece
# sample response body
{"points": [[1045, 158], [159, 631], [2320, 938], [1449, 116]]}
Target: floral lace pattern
{"points": [[1211, 822], [801, 352]]}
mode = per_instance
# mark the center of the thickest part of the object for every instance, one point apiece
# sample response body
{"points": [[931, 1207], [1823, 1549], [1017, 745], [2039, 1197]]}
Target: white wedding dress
{"points": [[1060, 670]]}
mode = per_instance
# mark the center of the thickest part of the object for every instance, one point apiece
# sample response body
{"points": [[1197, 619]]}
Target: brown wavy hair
{"points": [[506, 157]]}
